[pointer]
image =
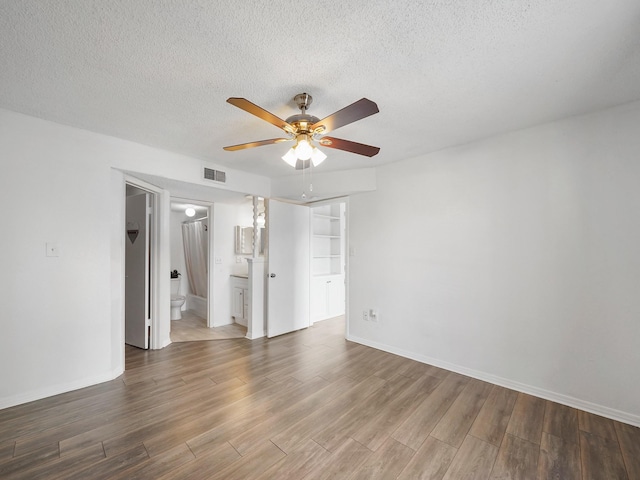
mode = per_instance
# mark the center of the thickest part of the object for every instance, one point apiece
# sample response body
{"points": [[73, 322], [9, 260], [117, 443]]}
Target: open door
{"points": [[137, 271], [288, 279]]}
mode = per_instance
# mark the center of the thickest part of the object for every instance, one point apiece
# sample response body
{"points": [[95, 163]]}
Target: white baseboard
{"points": [[601, 410], [50, 391]]}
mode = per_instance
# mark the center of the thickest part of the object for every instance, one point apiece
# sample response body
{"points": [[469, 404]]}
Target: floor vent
{"points": [[215, 175]]}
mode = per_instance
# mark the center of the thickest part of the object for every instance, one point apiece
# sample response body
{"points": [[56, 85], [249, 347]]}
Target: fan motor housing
{"points": [[302, 121]]}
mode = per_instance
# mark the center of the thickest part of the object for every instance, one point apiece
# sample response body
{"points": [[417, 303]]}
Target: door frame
{"points": [[137, 255], [347, 254], [159, 285], [210, 254]]}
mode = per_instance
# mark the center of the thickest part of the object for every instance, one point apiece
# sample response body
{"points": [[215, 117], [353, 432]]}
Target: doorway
{"points": [[205, 315], [328, 260], [308, 265], [191, 245]]}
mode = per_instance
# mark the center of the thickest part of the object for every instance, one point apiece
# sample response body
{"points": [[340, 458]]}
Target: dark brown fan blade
{"points": [[260, 112], [349, 114], [349, 146], [260, 143]]}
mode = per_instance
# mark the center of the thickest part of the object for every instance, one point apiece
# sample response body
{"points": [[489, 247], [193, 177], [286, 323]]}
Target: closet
{"points": [[327, 261]]}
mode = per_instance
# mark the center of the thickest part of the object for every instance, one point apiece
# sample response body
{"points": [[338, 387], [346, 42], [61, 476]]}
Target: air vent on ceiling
{"points": [[215, 175]]}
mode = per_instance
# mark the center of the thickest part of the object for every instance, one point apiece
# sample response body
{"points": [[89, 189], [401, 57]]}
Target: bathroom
{"points": [[208, 230]]}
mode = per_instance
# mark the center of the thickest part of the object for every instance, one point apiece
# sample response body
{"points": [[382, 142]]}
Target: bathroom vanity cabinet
{"points": [[240, 298]]}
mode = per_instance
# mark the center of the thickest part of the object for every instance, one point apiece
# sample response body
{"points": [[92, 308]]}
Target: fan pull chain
{"points": [[304, 195]]}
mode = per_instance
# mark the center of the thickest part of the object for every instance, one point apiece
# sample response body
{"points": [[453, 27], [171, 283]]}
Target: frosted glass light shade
{"points": [[290, 157], [304, 153], [190, 212], [317, 157], [303, 149]]}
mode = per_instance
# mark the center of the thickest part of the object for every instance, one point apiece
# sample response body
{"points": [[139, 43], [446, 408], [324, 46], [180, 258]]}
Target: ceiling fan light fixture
{"points": [[317, 156], [303, 148], [290, 157], [306, 129]]}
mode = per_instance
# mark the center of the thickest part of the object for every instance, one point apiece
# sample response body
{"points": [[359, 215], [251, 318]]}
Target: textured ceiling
{"points": [[443, 73]]}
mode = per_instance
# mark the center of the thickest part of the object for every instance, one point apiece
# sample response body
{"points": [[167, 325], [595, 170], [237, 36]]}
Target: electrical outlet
{"points": [[365, 315]]}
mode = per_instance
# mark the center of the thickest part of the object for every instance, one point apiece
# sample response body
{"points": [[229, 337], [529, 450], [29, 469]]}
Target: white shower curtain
{"points": [[194, 236]]}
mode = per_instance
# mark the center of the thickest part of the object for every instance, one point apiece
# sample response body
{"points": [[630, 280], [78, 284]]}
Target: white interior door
{"points": [[137, 304], [288, 279]]}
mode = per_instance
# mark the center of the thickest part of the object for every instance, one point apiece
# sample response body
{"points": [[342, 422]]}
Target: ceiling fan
{"points": [[304, 130]]}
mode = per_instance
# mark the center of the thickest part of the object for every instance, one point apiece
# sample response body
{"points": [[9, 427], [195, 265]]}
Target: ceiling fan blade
{"points": [[260, 112], [242, 146], [349, 114], [349, 146]]}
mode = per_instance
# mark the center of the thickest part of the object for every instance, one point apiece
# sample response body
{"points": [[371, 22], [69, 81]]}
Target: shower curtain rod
{"points": [[196, 220]]}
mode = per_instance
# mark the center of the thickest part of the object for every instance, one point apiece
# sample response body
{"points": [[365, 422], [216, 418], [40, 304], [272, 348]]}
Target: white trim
{"points": [[161, 297], [257, 297], [50, 391], [601, 410], [347, 260]]}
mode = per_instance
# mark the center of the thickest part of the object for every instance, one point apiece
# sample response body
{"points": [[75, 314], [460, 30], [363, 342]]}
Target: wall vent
{"points": [[215, 175]]}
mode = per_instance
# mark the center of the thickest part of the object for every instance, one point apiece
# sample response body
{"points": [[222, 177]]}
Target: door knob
{"points": [[273, 275]]}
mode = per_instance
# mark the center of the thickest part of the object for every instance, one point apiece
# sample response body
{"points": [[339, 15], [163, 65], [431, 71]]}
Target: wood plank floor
{"points": [[193, 328], [307, 405]]}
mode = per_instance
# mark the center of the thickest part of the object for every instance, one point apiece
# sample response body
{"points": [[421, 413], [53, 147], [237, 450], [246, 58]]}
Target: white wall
{"points": [[515, 259], [63, 316], [325, 185]]}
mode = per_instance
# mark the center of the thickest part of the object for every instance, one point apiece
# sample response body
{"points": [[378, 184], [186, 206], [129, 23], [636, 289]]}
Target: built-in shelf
{"points": [[327, 261], [327, 246]]}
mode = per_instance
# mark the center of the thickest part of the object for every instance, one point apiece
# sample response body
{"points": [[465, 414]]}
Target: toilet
{"points": [[177, 300]]}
